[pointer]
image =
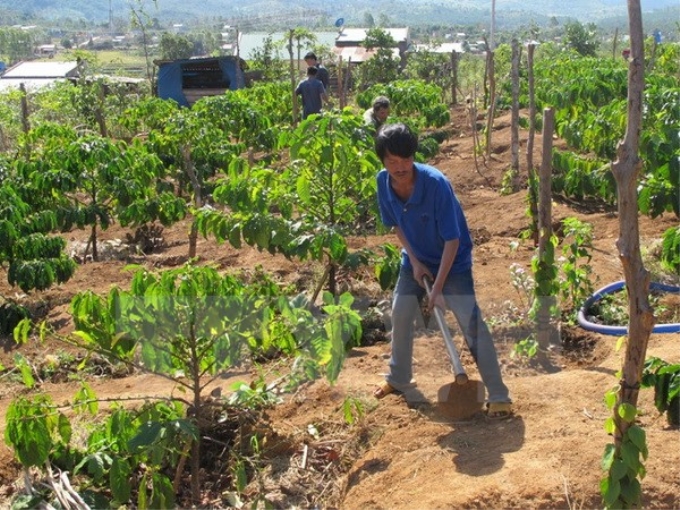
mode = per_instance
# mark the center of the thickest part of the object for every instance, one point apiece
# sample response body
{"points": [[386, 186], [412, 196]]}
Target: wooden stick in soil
{"points": [[198, 198], [472, 119], [626, 169], [543, 326]]}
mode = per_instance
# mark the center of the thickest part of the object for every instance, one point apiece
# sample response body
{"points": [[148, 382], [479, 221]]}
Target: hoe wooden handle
{"points": [[458, 370]]}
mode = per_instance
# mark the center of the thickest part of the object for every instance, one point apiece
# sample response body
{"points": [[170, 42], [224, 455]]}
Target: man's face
{"points": [[382, 113], [400, 169], [310, 62]]}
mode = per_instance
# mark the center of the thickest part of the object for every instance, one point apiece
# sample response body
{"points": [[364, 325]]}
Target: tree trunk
{"points": [[544, 328], [514, 122], [492, 46], [341, 89], [486, 77], [99, 111], [626, 169], [293, 78], [139, 16], [198, 198], [492, 100], [531, 171], [195, 464], [25, 126], [615, 43], [346, 79], [454, 77], [297, 65], [93, 242]]}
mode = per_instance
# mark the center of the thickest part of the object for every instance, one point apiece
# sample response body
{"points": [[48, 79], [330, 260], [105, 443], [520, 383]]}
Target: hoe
{"points": [[464, 397]]}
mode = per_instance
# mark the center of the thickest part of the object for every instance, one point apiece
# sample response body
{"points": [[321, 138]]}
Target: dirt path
{"points": [[402, 454]]}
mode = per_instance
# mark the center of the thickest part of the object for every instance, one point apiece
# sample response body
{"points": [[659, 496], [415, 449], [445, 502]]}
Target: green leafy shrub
{"points": [[414, 99], [665, 379], [428, 147], [10, 315], [670, 250]]}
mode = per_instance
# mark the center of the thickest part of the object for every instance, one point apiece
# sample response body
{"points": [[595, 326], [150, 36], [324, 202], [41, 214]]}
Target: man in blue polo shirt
{"points": [[312, 92], [418, 201]]}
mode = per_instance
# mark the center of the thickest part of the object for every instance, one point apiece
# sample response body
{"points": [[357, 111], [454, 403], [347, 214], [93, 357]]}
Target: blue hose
{"points": [[622, 330]]}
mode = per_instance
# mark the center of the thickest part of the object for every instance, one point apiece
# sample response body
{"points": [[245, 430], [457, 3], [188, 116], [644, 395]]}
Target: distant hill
{"points": [[321, 13]]}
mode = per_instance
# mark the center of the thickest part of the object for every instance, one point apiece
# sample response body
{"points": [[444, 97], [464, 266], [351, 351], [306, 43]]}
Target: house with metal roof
{"points": [[36, 75], [246, 44], [452, 47], [349, 43], [46, 50]]}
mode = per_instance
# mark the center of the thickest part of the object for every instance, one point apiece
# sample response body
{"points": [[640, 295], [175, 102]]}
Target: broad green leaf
{"points": [[631, 456], [620, 342], [25, 370], [608, 456], [610, 425], [142, 494], [347, 412], [119, 480], [147, 435], [618, 470], [162, 495], [637, 435], [89, 340], [611, 489], [611, 397], [64, 427], [95, 465], [21, 331], [627, 412], [346, 299], [631, 493]]}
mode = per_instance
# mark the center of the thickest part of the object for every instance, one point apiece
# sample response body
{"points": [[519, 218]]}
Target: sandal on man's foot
{"points": [[498, 410], [384, 389]]}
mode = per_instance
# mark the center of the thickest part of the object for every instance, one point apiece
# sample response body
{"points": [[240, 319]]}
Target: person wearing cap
{"points": [[322, 72], [377, 114], [312, 92]]}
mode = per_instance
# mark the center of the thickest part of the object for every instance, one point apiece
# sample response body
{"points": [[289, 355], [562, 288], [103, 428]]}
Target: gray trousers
{"points": [[459, 294]]}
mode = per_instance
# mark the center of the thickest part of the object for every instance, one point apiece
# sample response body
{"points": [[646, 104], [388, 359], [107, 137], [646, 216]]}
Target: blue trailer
{"points": [[188, 80]]}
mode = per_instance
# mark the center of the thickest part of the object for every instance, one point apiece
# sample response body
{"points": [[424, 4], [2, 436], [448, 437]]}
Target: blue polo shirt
{"points": [[311, 92], [431, 216]]}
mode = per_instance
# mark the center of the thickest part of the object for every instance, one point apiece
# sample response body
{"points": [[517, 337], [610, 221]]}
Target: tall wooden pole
{"points": [[514, 123], [531, 171], [491, 112], [626, 168], [492, 44], [293, 76], [544, 329], [454, 77]]}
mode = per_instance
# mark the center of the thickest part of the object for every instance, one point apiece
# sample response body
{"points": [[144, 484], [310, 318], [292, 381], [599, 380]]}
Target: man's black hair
{"points": [[312, 71], [311, 54], [397, 139]]}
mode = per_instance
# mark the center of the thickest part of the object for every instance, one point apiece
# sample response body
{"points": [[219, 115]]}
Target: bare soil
{"points": [[403, 453]]}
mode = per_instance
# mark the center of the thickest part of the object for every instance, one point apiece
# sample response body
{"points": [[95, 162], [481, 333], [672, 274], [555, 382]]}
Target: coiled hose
{"points": [[622, 330]]}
